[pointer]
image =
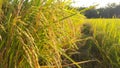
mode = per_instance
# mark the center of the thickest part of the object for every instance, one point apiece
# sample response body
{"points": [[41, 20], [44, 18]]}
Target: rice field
{"points": [[49, 34], [107, 35]]}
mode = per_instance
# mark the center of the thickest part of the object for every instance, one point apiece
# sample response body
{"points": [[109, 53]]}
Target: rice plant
{"points": [[36, 33]]}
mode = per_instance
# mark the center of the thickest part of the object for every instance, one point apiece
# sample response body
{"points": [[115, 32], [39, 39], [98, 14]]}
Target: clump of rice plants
{"points": [[99, 44], [107, 35], [35, 33], [85, 45]]}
